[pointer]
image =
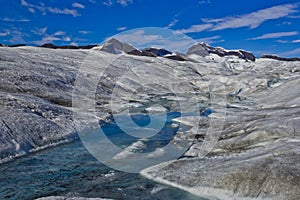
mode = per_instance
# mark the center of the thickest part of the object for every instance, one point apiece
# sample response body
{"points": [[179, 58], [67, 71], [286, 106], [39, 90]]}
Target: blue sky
{"points": [[270, 27]]}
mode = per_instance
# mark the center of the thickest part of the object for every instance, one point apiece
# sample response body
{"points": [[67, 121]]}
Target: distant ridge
{"points": [[275, 57], [115, 46], [203, 49], [52, 46], [15, 45]]}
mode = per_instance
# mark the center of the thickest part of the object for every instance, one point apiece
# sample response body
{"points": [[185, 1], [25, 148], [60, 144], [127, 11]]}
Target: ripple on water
{"points": [[69, 170]]}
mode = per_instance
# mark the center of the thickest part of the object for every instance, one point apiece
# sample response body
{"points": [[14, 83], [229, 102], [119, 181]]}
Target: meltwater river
{"points": [[70, 170]]}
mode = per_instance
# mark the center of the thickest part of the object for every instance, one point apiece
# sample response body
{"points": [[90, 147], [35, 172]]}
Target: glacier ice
{"points": [[257, 153]]}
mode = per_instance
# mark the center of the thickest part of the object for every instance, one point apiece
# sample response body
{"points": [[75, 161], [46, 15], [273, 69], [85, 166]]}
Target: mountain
{"points": [[52, 46], [115, 46], [137, 52], [157, 52], [203, 49]]}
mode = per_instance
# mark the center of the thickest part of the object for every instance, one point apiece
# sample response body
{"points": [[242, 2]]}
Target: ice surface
{"points": [[257, 154]]}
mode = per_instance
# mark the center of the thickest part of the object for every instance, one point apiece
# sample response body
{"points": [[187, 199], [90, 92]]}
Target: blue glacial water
{"points": [[70, 170], [162, 137]]}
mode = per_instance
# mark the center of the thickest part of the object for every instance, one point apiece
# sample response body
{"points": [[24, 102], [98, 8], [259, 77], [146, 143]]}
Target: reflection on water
{"points": [[161, 138]]}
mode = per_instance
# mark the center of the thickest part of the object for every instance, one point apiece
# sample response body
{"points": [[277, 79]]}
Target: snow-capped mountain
{"points": [[201, 49], [115, 46]]}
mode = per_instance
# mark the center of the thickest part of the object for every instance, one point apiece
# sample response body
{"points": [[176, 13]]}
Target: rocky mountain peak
{"points": [[158, 52], [115, 46], [203, 49]]}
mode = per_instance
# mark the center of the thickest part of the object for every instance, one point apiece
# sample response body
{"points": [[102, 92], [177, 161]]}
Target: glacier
{"points": [[257, 152]]}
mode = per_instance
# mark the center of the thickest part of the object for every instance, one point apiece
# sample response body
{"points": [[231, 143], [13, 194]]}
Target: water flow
{"points": [[69, 170]]}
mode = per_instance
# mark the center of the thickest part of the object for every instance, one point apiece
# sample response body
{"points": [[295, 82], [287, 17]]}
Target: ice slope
{"points": [[35, 98], [257, 155]]}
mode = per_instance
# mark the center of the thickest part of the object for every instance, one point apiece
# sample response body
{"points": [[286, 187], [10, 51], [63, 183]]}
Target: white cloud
{"points": [[33, 7], [196, 28], [78, 5], [14, 35], [284, 23], [275, 35], [67, 39], [17, 36], [84, 32], [210, 40], [170, 40], [296, 41], [124, 3], [50, 38], [5, 33], [172, 23], [108, 3], [122, 28], [44, 9], [251, 20], [31, 10], [294, 17], [64, 11], [254, 19], [24, 3], [138, 37], [59, 33], [282, 41], [204, 2], [294, 52], [6, 19], [74, 44], [47, 39], [40, 31]]}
